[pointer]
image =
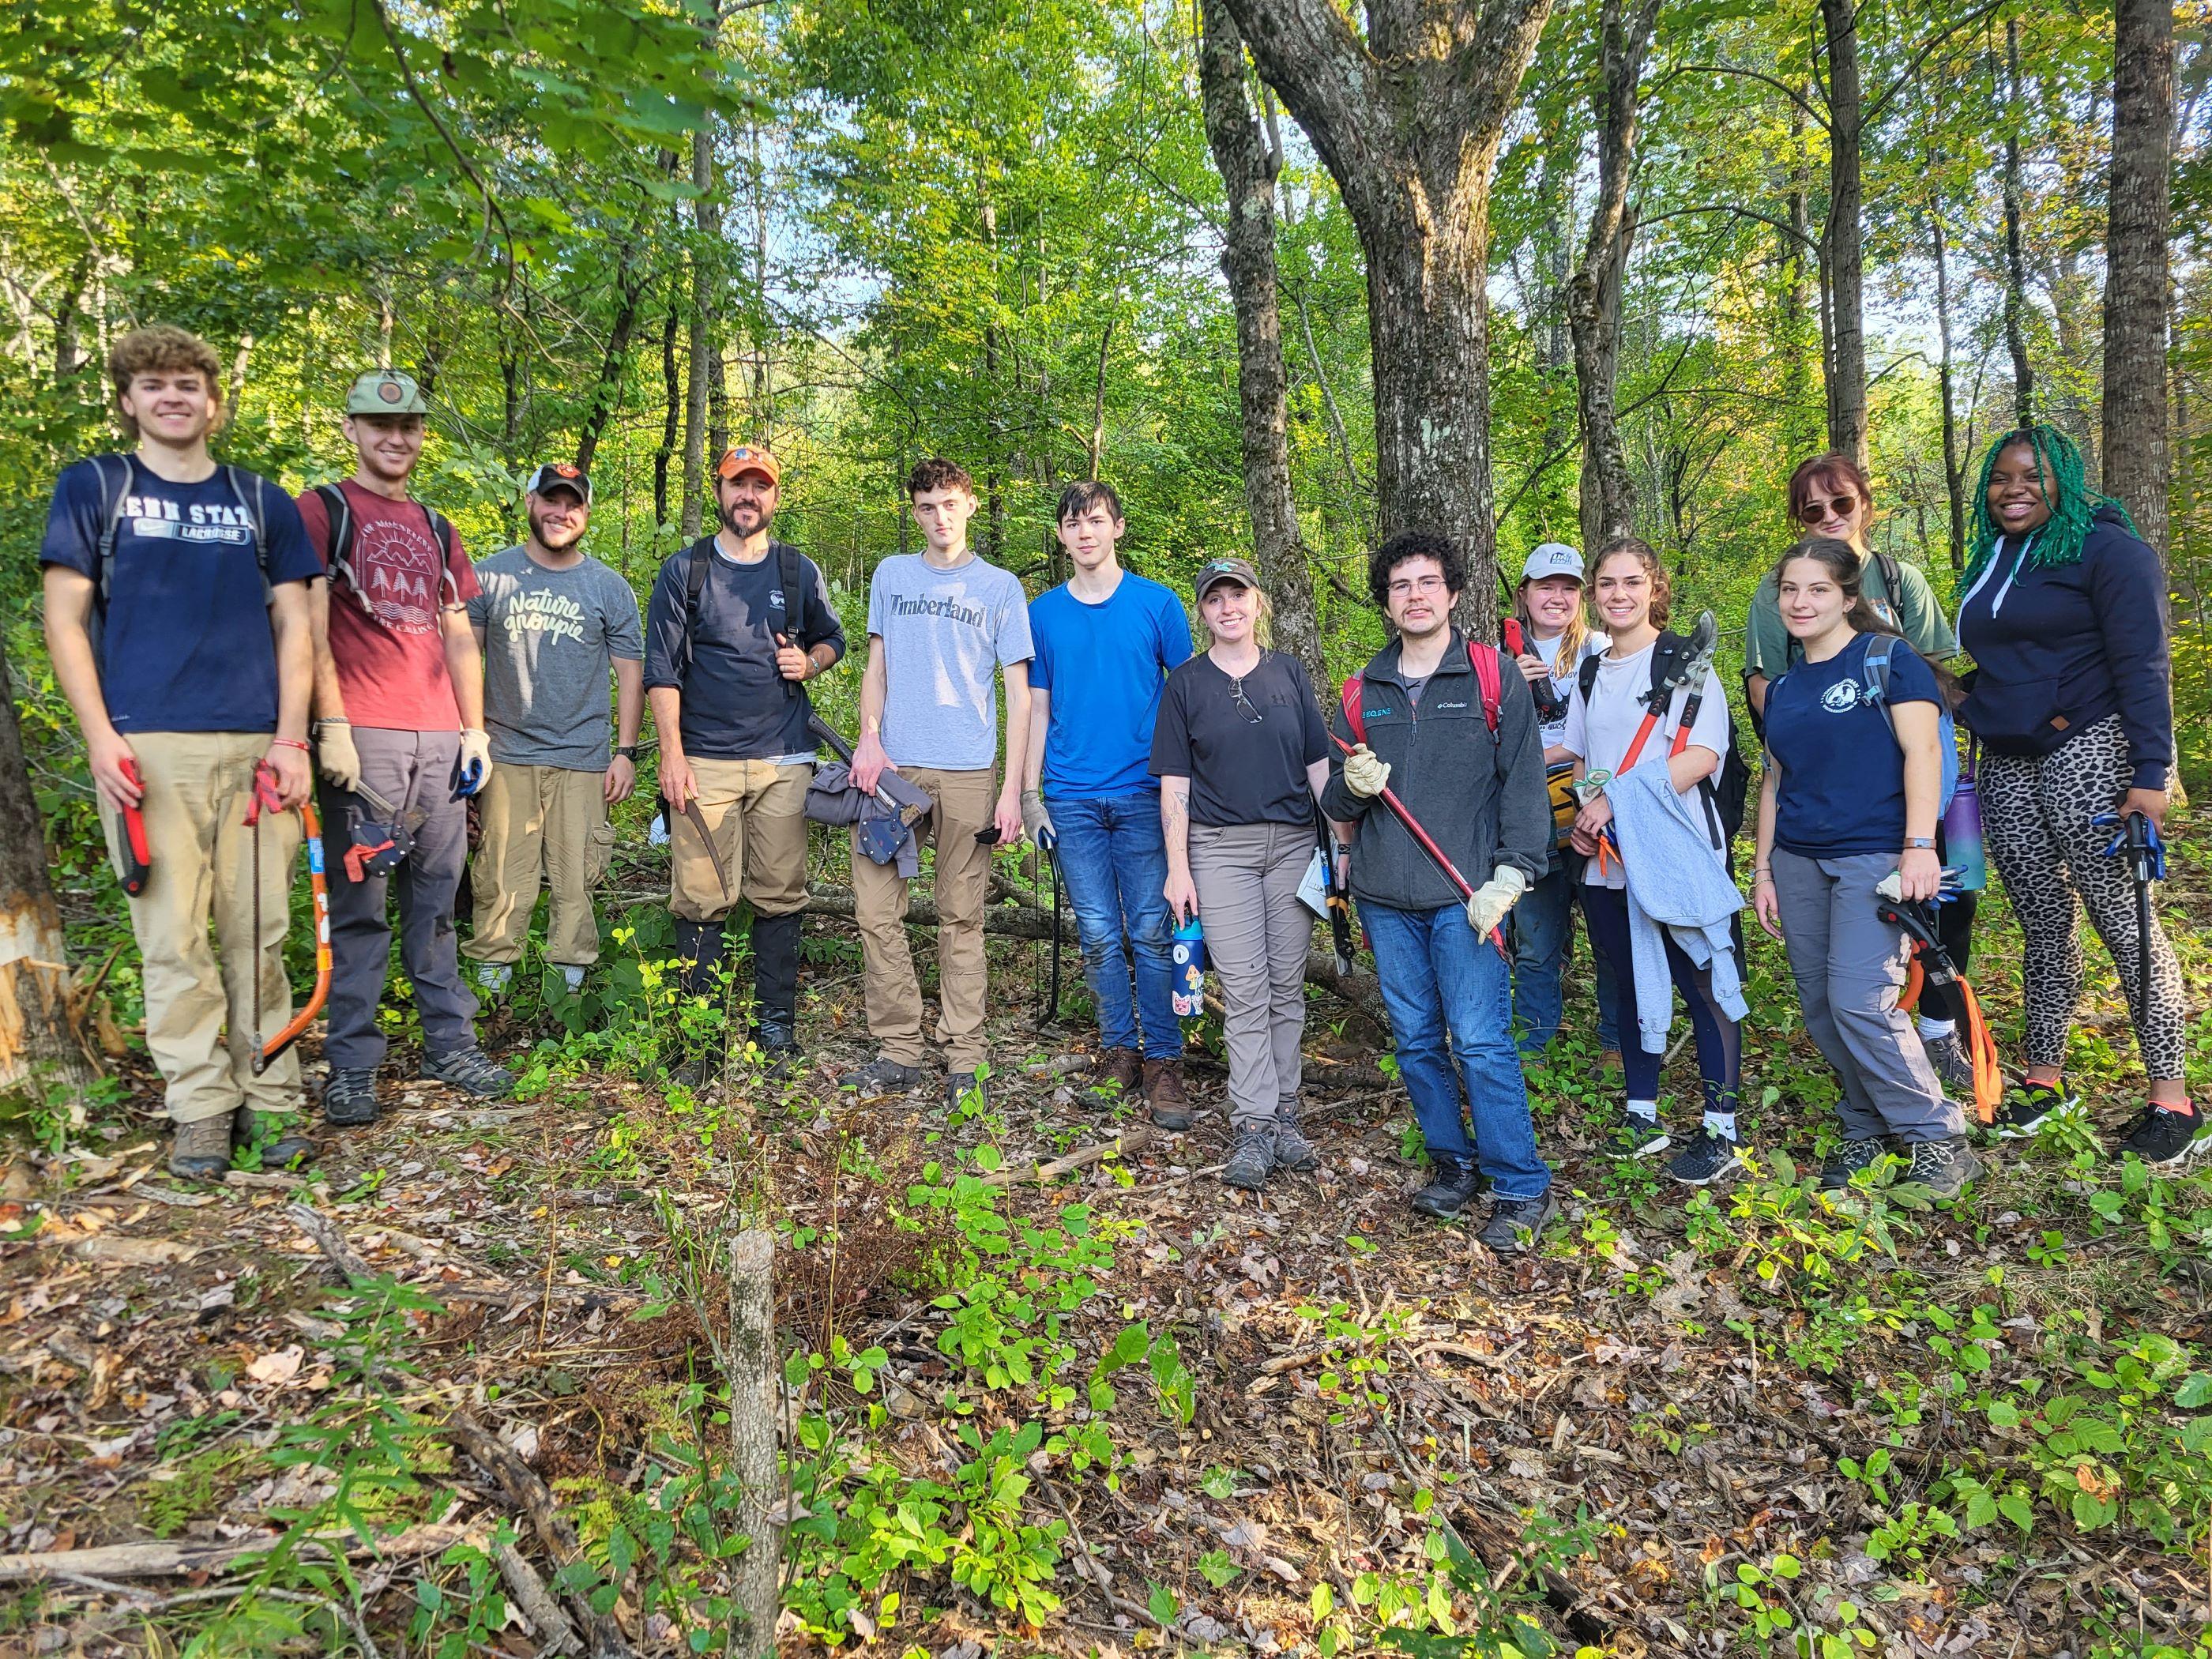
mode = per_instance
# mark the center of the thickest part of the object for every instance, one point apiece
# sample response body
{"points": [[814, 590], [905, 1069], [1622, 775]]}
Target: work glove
{"points": [[339, 761], [472, 768], [1495, 897], [1036, 821], [1364, 774]]}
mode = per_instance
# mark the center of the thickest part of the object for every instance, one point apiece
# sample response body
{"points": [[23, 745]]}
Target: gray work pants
{"points": [[408, 769], [1257, 934], [1850, 966]]}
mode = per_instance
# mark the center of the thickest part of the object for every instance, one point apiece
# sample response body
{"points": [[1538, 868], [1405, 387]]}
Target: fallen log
{"points": [[1053, 1168], [181, 1557]]}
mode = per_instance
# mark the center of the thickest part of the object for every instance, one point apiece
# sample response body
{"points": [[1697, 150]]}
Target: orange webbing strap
{"points": [[1982, 1049]]}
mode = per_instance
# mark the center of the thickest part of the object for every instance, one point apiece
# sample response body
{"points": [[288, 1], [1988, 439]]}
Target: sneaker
{"points": [[349, 1097], [494, 977], [1251, 1158], [201, 1150], [1705, 1159], [883, 1076], [2027, 1108], [703, 1068], [471, 1071], [1517, 1223], [1292, 1150], [1855, 1156], [1163, 1086], [573, 977], [277, 1136], [1638, 1137], [1948, 1057], [960, 1086], [2160, 1137], [1944, 1167], [1454, 1184]]}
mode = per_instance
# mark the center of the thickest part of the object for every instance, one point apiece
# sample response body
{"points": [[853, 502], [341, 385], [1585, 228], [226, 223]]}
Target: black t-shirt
{"points": [[1241, 771], [736, 706]]}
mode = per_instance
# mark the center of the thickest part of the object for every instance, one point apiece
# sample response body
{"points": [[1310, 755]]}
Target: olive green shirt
{"points": [[1768, 649]]}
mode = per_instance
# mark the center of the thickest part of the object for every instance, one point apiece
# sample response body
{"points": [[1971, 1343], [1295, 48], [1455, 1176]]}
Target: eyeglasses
{"points": [[1815, 510], [1406, 586], [1252, 716]]}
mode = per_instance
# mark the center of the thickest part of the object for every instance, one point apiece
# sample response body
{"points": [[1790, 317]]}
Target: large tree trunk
{"points": [[1955, 478], [701, 365], [1846, 260], [1249, 166], [754, 1368], [1801, 423], [41, 1021], [614, 362], [2137, 457], [2015, 287], [1408, 122], [1608, 503], [672, 395]]}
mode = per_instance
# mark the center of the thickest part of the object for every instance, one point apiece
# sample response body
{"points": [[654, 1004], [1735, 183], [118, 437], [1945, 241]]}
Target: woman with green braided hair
{"points": [[2065, 615]]}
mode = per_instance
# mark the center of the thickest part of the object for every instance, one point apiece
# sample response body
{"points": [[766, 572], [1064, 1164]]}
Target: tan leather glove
{"points": [[1495, 897], [1366, 774], [335, 756]]}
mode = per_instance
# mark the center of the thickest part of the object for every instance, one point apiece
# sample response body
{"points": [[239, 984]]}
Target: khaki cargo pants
{"points": [[755, 811], [890, 990], [197, 788], [548, 820]]}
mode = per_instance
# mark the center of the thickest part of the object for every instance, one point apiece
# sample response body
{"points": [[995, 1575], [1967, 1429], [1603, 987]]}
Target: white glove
{"points": [[335, 755], [1495, 897], [1036, 821], [1364, 774], [475, 757]]}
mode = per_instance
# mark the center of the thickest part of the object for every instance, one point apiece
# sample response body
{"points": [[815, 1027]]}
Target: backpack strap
{"points": [[256, 518], [340, 561], [698, 561], [1892, 582], [1586, 675], [1489, 676], [111, 526], [1667, 650], [1875, 686], [792, 578]]}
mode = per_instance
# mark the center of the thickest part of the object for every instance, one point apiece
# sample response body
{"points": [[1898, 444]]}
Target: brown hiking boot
{"points": [[1122, 1069], [1164, 1093]]}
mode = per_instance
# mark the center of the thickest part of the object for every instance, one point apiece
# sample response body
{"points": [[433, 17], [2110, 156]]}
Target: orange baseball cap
{"points": [[749, 458]]}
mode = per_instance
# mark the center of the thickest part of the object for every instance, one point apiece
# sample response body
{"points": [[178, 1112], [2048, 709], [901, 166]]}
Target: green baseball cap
{"points": [[384, 392]]}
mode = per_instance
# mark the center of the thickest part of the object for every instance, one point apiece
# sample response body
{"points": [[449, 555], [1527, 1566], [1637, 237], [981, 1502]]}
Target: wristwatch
{"points": [[629, 752], [1919, 844]]}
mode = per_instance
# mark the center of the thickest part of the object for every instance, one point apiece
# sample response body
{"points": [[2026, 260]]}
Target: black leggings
{"points": [[1720, 1039]]}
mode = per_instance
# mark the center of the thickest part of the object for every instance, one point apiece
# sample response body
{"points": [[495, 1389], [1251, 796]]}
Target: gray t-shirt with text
{"points": [[550, 638], [946, 635]]}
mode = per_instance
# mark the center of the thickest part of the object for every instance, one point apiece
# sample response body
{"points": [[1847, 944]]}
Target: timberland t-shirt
{"points": [[946, 634]]}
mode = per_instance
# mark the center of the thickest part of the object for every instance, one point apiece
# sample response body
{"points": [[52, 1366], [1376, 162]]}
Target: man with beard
{"points": [[738, 623], [552, 622]]}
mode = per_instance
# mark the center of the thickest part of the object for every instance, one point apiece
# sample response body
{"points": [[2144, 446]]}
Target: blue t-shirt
{"points": [[184, 639], [1104, 665], [1842, 774]]}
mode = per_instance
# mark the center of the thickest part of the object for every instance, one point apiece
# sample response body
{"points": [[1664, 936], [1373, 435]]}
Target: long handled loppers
{"points": [[265, 1051], [1932, 965]]}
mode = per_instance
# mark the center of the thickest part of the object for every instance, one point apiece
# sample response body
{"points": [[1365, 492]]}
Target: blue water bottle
{"points": [[1189, 954]]}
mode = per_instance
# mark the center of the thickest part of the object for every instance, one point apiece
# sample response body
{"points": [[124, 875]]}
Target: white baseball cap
{"points": [[1551, 559]]}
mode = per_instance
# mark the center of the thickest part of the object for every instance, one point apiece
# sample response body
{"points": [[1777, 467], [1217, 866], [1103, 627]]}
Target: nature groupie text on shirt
{"points": [[544, 612]]}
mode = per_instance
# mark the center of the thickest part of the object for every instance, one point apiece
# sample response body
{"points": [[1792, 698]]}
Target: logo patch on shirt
{"points": [[1841, 697]]}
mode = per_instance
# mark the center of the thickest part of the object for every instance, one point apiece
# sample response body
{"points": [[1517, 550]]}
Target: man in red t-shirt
{"points": [[398, 735]]}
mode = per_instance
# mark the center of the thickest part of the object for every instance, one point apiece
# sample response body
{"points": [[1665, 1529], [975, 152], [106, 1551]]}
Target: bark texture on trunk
{"points": [[2016, 287], [755, 1399], [1249, 166], [614, 362], [1407, 121], [1846, 238], [2137, 461], [1608, 492], [43, 1021], [1955, 478], [701, 366]]}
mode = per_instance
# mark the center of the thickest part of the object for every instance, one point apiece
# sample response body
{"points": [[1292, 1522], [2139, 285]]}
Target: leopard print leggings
{"points": [[2035, 818]]}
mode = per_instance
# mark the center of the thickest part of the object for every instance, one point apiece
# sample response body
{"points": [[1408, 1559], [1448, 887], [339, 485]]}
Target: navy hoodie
{"points": [[2058, 649]]}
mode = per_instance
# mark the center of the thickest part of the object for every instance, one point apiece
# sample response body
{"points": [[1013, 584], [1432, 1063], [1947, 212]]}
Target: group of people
{"points": [[214, 638]]}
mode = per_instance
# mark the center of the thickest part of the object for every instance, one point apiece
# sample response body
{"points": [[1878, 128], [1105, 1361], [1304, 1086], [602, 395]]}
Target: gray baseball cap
{"points": [[1551, 559]]}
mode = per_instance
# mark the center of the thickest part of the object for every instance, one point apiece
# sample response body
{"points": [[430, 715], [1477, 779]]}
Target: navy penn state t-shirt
{"points": [[1842, 774]]}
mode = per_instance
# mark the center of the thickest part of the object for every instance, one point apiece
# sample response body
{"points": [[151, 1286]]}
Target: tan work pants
{"points": [[755, 811], [199, 785], [539, 820], [962, 805]]}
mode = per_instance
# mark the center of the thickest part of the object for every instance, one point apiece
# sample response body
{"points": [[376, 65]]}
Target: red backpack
{"points": [[1484, 660]]}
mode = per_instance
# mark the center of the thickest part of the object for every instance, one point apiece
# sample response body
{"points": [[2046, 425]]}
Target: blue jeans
{"points": [[1114, 862], [1543, 934], [1450, 1000]]}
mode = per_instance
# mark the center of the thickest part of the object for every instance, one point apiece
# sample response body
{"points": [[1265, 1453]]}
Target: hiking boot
{"points": [[1121, 1075], [1705, 1159], [883, 1076], [2162, 1137], [960, 1086], [1858, 1154], [1251, 1156], [201, 1150], [277, 1136], [775, 941], [572, 976], [703, 1068], [1635, 1136], [1948, 1057], [1453, 1183], [1292, 1150], [1609, 1059], [777, 1036], [471, 1071], [493, 978], [1518, 1223], [349, 1097], [699, 951], [1164, 1093], [1943, 1166], [2027, 1108]]}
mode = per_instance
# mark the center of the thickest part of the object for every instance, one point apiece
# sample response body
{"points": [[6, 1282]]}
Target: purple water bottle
{"points": [[1962, 834], [1188, 954]]}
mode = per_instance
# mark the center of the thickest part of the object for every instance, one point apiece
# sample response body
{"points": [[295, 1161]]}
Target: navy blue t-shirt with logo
{"points": [[185, 644], [1842, 774]]}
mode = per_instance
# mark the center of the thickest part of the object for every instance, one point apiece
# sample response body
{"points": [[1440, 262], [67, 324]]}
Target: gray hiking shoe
{"points": [[1518, 1223], [1251, 1158], [349, 1097], [201, 1151], [471, 1071], [277, 1136], [1948, 1057], [1855, 1156], [883, 1076], [1944, 1167], [1292, 1150]]}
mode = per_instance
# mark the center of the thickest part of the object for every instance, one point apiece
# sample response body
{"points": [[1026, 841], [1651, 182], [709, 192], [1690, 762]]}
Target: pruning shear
{"points": [[267, 798], [2137, 841]]}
